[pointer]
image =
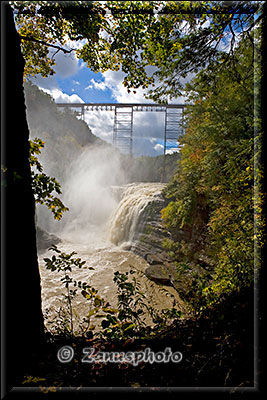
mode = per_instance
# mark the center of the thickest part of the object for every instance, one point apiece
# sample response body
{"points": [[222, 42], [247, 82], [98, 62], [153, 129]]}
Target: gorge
{"points": [[114, 202]]}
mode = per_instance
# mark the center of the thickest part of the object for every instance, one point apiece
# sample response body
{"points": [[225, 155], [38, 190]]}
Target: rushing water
{"points": [[103, 248], [129, 216]]}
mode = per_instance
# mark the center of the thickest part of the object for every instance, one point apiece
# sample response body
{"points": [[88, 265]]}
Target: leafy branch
{"points": [[59, 48], [44, 185]]}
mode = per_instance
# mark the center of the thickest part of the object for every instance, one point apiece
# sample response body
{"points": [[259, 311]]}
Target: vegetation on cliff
{"points": [[63, 134], [216, 189]]}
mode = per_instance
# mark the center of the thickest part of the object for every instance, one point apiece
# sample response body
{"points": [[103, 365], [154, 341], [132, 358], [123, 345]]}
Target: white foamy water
{"points": [[129, 216], [101, 246]]}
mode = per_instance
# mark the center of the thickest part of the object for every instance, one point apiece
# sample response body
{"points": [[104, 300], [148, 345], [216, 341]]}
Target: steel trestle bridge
{"points": [[123, 121]]}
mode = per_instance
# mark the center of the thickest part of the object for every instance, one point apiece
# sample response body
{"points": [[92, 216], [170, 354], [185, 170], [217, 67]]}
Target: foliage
{"points": [[177, 38], [188, 36], [128, 320], [43, 185], [131, 304], [64, 263], [217, 347], [212, 193], [134, 311]]}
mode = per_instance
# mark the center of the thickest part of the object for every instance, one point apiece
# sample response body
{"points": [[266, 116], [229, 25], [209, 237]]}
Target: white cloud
{"points": [[142, 146], [61, 97], [74, 44], [82, 64], [159, 147], [66, 64], [113, 81], [171, 151], [96, 85], [101, 123]]}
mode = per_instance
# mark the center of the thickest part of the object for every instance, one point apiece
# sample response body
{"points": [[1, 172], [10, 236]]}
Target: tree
{"points": [[22, 315], [212, 193], [176, 38]]}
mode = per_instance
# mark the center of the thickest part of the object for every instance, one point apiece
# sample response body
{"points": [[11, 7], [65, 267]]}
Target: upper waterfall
{"points": [[129, 217]]}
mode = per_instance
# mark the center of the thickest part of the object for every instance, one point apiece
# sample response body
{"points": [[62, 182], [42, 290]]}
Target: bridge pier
{"points": [[123, 122], [123, 129]]}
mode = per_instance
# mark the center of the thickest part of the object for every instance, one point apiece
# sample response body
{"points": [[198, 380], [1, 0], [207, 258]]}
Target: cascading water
{"points": [[129, 217], [97, 227]]}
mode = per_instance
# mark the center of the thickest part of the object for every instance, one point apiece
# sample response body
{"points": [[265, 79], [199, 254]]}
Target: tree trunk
{"points": [[23, 326]]}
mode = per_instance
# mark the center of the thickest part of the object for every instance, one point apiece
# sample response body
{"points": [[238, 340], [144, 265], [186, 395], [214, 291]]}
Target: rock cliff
{"points": [[149, 244]]}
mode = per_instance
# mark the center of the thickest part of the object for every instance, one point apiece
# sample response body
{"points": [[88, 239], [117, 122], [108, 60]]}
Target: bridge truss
{"points": [[123, 121]]}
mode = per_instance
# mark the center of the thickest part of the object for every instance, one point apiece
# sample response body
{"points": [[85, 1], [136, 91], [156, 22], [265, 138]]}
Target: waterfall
{"points": [[123, 226], [128, 218]]}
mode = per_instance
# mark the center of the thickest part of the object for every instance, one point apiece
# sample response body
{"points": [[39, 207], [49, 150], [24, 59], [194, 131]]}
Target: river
{"points": [[104, 248]]}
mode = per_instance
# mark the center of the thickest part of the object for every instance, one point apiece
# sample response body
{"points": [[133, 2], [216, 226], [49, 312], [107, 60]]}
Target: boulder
{"points": [[159, 274]]}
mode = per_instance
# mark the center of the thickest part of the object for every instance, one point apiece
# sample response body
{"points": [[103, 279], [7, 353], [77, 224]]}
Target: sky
{"points": [[74, 82]]}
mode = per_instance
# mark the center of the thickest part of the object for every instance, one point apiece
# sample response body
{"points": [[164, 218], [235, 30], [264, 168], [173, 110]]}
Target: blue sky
{"points": [[74, 82], [81, 84]]}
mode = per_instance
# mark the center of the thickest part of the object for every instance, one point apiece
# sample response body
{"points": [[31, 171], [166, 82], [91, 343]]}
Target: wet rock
{"points": [[158, 274], [153, 259], [149, 243]]}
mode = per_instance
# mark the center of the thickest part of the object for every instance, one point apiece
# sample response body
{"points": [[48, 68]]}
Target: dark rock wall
{"points": [[149, 245]]}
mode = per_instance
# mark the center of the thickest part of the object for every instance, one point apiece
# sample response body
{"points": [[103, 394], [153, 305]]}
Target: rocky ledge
{"points": [[162, 268], [149, 245]]}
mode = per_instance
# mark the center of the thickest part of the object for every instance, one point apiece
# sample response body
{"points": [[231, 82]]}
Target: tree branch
{"points": [[254, 23], [59, 48]]}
